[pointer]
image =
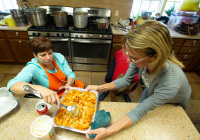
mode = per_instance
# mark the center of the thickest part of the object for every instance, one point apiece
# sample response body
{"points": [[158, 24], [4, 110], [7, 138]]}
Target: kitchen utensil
{"points": [[60, 18], [19, 17], [7, 102], [118, 27], [38, 16], [102, 23], [72, 109], [17, 12], [80, 19]]}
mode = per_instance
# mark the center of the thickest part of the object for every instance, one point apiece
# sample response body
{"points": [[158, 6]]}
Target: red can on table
{"points": [[42, 109]]}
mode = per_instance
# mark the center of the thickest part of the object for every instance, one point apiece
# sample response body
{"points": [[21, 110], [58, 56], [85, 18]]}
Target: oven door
{"points": [[90, 51], [60, 45]]}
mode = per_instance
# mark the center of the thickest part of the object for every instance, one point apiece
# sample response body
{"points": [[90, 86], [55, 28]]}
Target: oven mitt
{"points": [[102, 119]]}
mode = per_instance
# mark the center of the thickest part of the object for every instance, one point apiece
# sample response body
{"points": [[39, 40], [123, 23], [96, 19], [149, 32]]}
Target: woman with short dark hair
{"points": [[48, 72]]}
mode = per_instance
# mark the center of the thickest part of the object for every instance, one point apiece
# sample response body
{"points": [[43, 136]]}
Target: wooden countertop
{"points": [[165, 122], [173, 33], [15, 28]]}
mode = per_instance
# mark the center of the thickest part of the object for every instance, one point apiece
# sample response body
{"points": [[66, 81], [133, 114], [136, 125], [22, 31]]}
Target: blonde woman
{"points": [[149, 51]]}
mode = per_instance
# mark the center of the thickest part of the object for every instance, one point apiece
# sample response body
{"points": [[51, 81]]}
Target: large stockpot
{"points": [[80, 19], [60, 18], [19, 17], [102, 23], [17, 12], [38, 17]]}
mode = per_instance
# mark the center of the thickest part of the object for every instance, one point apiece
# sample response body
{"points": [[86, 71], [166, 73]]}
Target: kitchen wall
{"points": [[124, 6]]}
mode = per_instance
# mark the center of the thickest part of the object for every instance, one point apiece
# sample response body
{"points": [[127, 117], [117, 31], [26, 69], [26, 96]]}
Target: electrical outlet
{"points": [[116, 13]]}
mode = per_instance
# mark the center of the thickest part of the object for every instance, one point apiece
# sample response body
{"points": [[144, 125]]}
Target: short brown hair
{"points": [[41, 44]]}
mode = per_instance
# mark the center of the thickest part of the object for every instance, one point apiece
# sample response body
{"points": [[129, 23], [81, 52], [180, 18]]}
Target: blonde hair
{"points": [[152, 37]]}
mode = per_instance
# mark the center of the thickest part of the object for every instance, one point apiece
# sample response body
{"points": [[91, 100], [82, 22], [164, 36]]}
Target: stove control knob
{"points": [[76, 36], [48, 34], [81, 36], [34, 34], [100, 36], [63, 35], [105, 36], [38, 34], [57, 34], [91, 35]]}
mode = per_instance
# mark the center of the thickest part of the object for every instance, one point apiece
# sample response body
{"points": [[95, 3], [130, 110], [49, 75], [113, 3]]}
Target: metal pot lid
{"points": [[37, 10]]}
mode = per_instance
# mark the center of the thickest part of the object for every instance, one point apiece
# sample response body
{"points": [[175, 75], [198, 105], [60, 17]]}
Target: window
{"points": [[154, 6], [6, 5]]}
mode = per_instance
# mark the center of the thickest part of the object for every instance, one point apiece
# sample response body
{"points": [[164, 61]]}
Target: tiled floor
{"points": [[96, 78]]}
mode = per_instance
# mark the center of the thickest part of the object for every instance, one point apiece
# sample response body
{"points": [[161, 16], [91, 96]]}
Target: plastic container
{"points": [[175, 19], [186, 13], [42, 127], [10, 20]]}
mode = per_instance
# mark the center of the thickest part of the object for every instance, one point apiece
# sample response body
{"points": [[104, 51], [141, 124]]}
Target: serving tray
{"points": [[7, 102], [71, 128]]}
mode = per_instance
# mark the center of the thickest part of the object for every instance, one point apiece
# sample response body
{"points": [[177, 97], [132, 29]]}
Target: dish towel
{"points": [[102, 119]]}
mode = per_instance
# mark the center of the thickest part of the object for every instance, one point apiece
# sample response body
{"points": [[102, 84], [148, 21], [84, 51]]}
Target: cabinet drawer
{"points": [[118, 38], [189, 50], [192, 42], [2, 34], [175, 50], [185, 57], [177, 42], [16, 34]]}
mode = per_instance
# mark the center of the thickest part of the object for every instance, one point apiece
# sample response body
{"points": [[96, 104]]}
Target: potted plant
{"points": [[169, 11]]}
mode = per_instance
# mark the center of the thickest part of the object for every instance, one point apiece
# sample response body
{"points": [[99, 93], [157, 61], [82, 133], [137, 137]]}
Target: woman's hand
{"points": [[94, 87], [100, 133], [49, 95]]}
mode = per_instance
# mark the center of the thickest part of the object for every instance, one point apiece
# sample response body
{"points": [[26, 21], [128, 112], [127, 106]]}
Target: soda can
{"points": [[42, 109]]}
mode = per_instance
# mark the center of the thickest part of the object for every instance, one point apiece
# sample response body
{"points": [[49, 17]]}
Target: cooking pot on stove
{"points": [[60, 18], [102, 23], [38, 16], [80, 19]]}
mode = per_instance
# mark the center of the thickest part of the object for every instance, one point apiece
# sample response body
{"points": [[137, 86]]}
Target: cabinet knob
{"points": [[172, 42], [185, 57], [194, 42], [189, 51], [20, 42], [17, 34], [113, 45]]}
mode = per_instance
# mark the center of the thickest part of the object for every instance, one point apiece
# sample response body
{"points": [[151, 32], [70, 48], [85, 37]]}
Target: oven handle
{"points": [[91, 41], [53, 39]]}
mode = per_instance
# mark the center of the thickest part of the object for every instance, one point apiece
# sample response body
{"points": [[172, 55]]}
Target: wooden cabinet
{"points": [[186, 50], [6, 54], [117, 44], [21, 49], [17, 47]]}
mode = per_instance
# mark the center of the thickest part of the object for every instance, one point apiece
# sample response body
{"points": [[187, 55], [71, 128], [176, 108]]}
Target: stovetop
{"points": [[87, 30], [49, 28]]}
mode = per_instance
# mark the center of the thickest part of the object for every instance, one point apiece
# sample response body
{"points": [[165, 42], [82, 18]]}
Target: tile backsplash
{"points": [[123, 6]]}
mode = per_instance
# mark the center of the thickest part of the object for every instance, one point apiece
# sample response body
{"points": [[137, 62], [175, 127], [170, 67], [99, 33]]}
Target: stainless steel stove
{"points": [[85, 49]]}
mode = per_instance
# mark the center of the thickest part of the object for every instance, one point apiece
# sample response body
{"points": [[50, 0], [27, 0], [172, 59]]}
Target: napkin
{"points": [[102, 119]]}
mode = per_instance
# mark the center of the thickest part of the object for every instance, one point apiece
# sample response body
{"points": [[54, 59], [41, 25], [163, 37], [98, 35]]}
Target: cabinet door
{"points": [[6, 54], [22, 49], [2, 34], [16, 34]]}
